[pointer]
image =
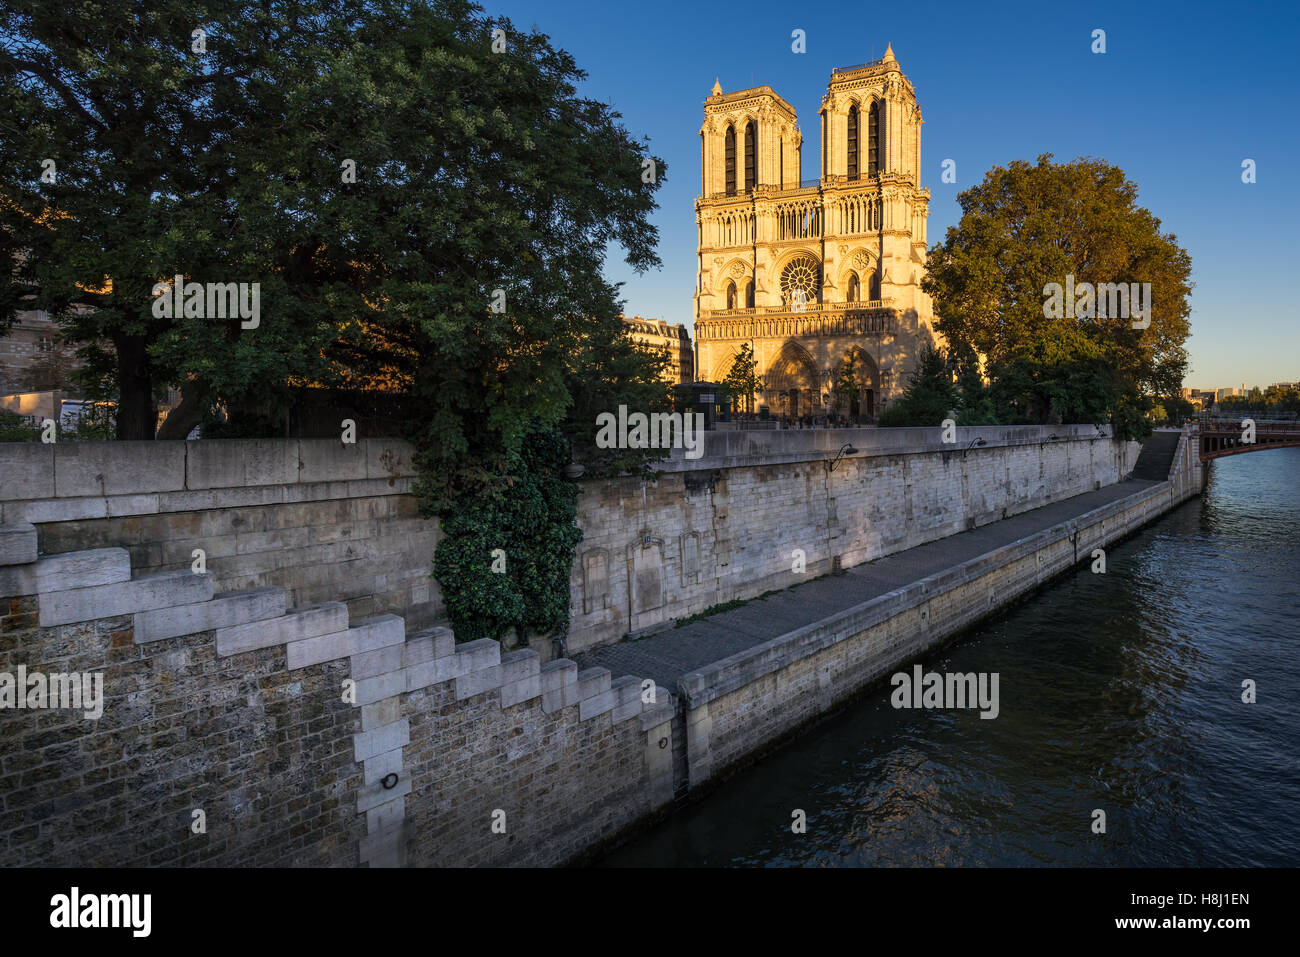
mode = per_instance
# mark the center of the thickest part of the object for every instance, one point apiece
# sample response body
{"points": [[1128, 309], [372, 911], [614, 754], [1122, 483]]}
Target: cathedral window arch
{"points": [[729, 151], [749, 295], [751, 156], [875, 285], [875, 138], [852, 158], [855, 288], [731, 295]]}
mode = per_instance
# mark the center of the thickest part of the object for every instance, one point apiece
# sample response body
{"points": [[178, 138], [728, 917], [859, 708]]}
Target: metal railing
{"points": [[811, 309], [856, 66], [1265, 420]]}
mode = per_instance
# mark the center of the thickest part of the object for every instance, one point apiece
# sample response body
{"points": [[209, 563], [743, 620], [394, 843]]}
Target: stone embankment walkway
{"points": [[667, 655]]}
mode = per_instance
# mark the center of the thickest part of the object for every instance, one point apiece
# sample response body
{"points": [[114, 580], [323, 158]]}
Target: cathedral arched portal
{"points": [[855, 383], [792, 384]]}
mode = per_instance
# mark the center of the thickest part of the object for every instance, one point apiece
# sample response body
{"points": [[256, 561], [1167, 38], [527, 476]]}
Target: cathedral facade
{"points": [[820, 277]]}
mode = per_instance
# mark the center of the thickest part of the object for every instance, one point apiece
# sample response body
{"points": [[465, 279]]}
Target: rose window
{"points": [[800, 280]]}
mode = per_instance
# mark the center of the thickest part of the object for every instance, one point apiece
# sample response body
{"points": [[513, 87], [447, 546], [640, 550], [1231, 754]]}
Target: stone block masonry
{"points": [[237, 731], [732, 524], [735, 708], [318, 519], [312, 726], [327, 522]]}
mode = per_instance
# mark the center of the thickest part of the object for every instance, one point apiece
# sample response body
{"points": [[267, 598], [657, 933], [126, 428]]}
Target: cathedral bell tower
{"points": [[822, 274]]}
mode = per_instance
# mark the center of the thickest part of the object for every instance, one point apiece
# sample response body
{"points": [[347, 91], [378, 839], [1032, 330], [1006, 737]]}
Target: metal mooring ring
{"points": [[390, 780], [663, 743]]}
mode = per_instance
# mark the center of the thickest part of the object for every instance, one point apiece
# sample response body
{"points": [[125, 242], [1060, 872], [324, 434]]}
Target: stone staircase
{"points": [[385, 662], [1157, 456]]}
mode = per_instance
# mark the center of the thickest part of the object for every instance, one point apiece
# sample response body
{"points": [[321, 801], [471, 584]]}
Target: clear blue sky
{"points": [[1184, 93]]}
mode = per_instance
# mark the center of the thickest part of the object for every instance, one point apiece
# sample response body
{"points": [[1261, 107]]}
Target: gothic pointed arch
{"points": [[792, 384], [866, 375], [851, 145], [729, 159]]}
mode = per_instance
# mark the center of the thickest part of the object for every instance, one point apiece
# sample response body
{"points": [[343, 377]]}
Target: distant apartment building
{"points": [[675, 340], [32, 357]]}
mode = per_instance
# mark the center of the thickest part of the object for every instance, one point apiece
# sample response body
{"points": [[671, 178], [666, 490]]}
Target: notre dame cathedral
{"points": [[812, 273]]}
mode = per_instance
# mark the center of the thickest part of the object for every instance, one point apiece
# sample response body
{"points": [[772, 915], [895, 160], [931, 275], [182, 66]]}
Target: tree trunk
{"points": [[137, 413], [187, 414]]}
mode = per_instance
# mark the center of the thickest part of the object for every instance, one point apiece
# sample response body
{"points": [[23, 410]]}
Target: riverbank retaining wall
{"points": [[269, 725], [232, 729], [735, 708], [332, 522], [733, 523]]}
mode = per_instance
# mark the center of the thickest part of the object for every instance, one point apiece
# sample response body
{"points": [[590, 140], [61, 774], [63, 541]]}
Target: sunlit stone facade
{"points": [[813, 271]]}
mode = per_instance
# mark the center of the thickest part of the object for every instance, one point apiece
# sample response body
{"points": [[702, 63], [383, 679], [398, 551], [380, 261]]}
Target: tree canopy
{"points": [[422, 195], [742, 380], [424, 203], [1027, 226]]}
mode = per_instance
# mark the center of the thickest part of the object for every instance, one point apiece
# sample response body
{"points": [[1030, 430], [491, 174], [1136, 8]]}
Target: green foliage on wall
{"points": [[505, 557], [13, 428]]}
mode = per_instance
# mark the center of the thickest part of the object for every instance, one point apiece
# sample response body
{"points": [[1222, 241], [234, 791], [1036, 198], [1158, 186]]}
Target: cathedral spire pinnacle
{"points": [[717, 88], [889, 52]]}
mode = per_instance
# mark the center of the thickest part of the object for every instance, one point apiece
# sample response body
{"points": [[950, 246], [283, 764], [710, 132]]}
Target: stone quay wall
{"points": [[237, 730], [322, 520], [727, 525], [333, 522], [735, 708], [308, 734]]}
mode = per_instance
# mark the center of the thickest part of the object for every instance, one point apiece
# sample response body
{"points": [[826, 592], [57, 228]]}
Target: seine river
{"points": [[1120, 692]]}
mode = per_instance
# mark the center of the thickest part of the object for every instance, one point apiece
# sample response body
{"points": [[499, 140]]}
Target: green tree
{"points": [[846, 386], [475, 171], [930, 394], [461, 266], [1026, 226], [743, 381], [1177, 409], [169, 160], [611, 371]]}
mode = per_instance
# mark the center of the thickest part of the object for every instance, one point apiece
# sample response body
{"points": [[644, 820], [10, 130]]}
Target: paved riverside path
{"points": [[676, 651]]}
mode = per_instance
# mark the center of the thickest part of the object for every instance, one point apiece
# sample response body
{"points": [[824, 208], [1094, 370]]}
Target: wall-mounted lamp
{"points": [[974, 444], [573, 470], [845, 449]]}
